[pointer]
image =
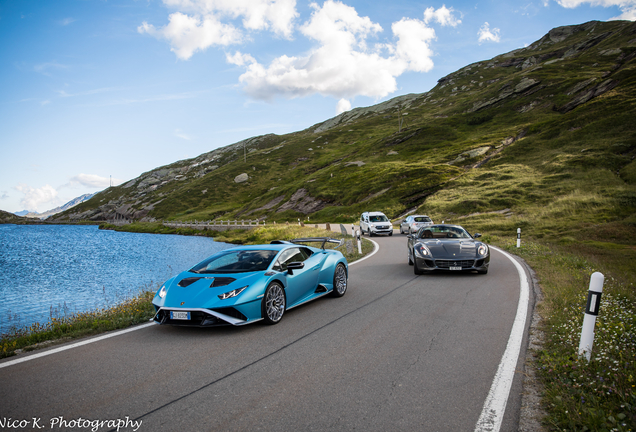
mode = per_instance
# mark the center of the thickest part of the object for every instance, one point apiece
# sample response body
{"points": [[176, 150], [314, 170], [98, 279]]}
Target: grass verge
{"points": [[139, 309], [581, 396]]}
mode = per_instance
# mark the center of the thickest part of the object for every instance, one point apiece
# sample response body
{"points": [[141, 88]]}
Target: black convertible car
{"points": [[447, 247]]}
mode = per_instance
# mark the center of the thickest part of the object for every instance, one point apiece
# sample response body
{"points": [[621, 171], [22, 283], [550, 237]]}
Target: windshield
{"points": [[236, 261], [422, 219], [442, 231], [380, 218]]}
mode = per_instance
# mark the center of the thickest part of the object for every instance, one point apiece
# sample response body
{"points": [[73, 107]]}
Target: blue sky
{"points": [[94, 89]]}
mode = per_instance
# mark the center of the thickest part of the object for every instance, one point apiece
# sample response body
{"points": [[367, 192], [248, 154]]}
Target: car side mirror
{"points": [[294, 266], [477, 235]]}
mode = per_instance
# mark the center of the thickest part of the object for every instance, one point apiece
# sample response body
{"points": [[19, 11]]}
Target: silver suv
{"points": [[413, 223], [373, 223]]}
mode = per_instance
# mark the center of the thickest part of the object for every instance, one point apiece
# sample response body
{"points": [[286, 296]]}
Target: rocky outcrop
{"points": [[587, 95], [506, 91], [301, 202]]}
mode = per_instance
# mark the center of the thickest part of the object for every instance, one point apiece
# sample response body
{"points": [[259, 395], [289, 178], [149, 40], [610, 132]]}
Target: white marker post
{"points": [[353, 230], [359, 244], [591, 312], [518, 237]]}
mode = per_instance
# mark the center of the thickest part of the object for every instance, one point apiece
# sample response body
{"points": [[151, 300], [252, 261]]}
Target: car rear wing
{"points": [[322, 240]]}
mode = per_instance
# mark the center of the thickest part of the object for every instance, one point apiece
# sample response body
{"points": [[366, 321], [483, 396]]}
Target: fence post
{"points": [[591, 312]]}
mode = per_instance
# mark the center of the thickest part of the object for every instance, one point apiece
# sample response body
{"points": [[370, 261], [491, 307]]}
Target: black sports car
{"points": [[447, 247]]}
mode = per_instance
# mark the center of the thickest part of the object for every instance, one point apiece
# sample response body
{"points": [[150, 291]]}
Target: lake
{"points": [[50, 270]]}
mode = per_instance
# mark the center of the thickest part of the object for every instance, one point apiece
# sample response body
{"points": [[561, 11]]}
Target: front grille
{"points": [[197, 318], [447, 263]]}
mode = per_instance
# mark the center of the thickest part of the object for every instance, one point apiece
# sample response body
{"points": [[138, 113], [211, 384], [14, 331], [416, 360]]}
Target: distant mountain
{"points": [[22, 213], [72, 203], [10, 218]]}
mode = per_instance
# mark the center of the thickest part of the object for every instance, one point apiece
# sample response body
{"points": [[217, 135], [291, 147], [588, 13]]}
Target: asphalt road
{"points": [[398, 352]]}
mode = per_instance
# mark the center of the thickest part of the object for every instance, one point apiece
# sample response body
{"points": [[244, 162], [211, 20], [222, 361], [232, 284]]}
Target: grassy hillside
{"points": [[545, 133]]}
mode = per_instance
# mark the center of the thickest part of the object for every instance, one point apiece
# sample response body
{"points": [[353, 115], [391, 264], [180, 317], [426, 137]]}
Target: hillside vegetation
{"points": [[543, 134]]}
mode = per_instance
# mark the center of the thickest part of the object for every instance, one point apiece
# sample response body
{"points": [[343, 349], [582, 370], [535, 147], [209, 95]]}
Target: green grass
{"points": [[581, 396], [129, 312]]}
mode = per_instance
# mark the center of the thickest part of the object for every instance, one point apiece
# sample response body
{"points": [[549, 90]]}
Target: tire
{"points": [[339, 281], [391, 233], [369, 233], [274, 303], [416, 268], [410, 260]]}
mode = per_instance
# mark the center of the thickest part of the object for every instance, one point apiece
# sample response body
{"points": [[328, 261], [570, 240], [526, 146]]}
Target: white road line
{"points": [[75, 345], [495, 405], [110, 335], [375, 250]]}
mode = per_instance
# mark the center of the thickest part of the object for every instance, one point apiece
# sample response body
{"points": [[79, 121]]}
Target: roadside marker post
{"points": [[359, 244], [518, 237], [591, 312]]}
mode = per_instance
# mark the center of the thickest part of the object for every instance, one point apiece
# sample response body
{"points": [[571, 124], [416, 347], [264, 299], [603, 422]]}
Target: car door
{"points": [[299, 281]]}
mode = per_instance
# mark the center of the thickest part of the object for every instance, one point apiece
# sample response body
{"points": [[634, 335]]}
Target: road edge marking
{"points": [[376, 248], [494, 409], [75, 345]]}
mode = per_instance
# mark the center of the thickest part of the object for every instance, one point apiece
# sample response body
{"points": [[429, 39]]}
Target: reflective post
{"points": [[591, 312], [359, 243], [518, 237]]}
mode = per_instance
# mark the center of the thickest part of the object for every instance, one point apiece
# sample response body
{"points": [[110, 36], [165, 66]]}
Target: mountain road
{"points": [[398, 352]]}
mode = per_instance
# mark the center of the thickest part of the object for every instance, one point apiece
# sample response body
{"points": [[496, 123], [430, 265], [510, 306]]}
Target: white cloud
{"points": [[413, 44], [180, 134], [342, 64], [274, 15], [44, 68], [207, 26], [443, 15], [485, 34], [627, 7], [189, 34], [34, 198], [342, 106], [92, 181], [67, 21]]}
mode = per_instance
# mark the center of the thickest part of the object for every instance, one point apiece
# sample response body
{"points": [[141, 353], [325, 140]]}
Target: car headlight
{"points": [[482, 250], [422, 251], [163, 291], [232, 293]]}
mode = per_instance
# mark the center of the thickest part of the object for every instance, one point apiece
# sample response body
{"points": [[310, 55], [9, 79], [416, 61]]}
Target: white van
{"points": [[373, 223]]}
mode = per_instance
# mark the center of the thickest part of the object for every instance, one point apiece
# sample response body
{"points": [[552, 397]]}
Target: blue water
{"points": [[52, 270]]}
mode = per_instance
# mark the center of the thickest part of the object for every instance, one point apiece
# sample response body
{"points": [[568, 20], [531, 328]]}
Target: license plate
{"points": [[179, 315], [455, 268]]}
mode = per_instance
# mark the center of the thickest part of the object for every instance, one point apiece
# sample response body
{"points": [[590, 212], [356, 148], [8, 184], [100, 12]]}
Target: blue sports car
{"points": [[246, 284]]}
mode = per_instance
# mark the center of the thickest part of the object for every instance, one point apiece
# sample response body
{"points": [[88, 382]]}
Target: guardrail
{"points": [[215, 224]]}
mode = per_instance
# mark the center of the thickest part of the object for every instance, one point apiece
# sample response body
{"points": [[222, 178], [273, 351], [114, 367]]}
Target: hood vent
{"points": [[188, 281], [221, 281]]}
